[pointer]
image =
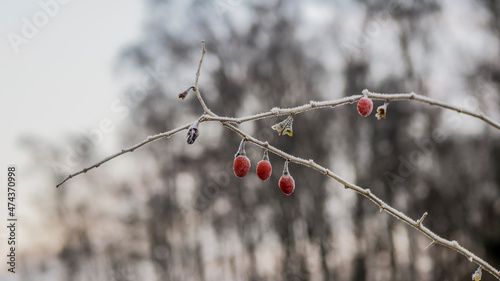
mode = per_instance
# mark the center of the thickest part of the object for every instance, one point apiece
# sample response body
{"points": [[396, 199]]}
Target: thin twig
{"points": [[130, 149], [424, 99], [367, 193], [351, 99], [434, 243], [421, 220], [203, 51], [289, 111], [196, 90]]}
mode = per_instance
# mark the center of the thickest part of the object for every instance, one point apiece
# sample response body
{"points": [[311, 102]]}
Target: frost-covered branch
{"points": [[292, 111], [351, 99], [195, 88], [130, 149], [418, 224], [424, 99]]}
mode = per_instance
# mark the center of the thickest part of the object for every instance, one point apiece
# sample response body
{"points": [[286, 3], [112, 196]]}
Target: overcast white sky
{"points": [[59, 83], [61, 80]]}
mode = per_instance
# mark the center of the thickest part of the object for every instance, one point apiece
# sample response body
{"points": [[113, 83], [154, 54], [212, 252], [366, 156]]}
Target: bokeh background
{"points": [[95, 77]]}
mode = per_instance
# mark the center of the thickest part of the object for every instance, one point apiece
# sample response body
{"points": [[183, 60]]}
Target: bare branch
{"points": [[424, 99], [130, 149], [196, 90], [351, 99], [203, 51]]}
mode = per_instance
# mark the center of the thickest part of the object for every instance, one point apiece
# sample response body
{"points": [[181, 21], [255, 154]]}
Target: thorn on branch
{"points": [[430, 245], [382, 207], [421, 220]]}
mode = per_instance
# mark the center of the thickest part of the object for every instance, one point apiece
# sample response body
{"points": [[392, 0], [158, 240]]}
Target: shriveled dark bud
{"points": [[185, 93], [193, 133]]}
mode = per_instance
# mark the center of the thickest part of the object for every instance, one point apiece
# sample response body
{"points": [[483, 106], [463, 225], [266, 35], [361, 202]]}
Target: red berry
{"points": [[264, 169], [241, 166], [365, 106], [287, 184]]}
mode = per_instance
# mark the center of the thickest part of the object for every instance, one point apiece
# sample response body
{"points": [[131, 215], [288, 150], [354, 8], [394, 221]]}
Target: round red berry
{"points": [[241, 166], [287, 184], [365, 106], [264, 169]]}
